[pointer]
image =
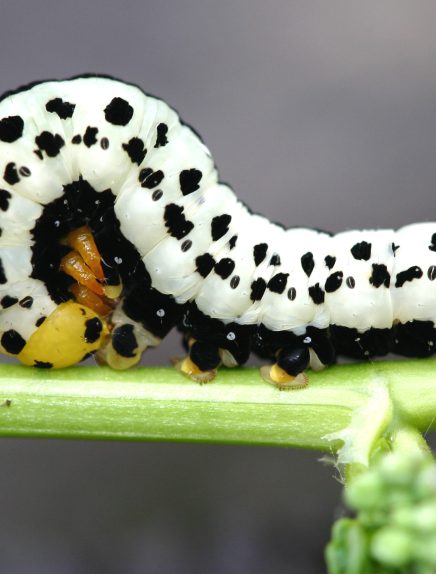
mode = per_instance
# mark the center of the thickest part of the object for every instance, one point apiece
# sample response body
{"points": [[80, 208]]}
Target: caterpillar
{"points": [[115, 229]]}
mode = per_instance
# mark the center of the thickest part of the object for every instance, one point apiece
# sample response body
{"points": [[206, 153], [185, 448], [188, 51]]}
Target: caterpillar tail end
{"points": [[275, 375]]}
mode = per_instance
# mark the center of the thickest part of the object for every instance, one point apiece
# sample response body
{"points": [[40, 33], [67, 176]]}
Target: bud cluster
{"points": [[394, 530]]}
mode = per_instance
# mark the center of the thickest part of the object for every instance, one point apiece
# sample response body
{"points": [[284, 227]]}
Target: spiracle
{"points": [[115, 229]]}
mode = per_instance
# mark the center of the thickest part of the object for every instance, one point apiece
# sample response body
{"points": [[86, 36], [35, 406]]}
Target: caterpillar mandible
{"points": [[115, 229]]}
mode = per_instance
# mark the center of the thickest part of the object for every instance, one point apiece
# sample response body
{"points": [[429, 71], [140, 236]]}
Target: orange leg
{"points": [[86, 297], [72, 264], [83, 264], [82, 241]]}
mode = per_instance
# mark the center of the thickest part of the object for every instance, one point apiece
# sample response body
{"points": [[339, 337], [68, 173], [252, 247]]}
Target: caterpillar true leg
{"points": [[88, 298], [73, 265], [82, 241]]}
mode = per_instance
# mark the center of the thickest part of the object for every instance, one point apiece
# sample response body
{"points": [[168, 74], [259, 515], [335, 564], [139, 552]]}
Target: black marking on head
{"points": [[394, 248], [42, 365], [380, 275], [90, 136], [410, 274], [361, 251], [12, 342], [232, 241], [259, 253], [2, 273], [76, 139], [124, 341], [40, 321], [186, 245], [63, 109], [118, 112], [316, 294], [11, 129], [136, 150], [258, 288], [333, 282], [307, 263], [5, 196], [189, 180], [176, 223], [8, 301], [225, 267], [432, 247], [93, 328], [220, 226], [205, 263], [150, 178], [50, 143], [431, 273], [157, 194], [38, 153], [277, 283], [234, 281], [11, 175], [26, 302], [351, 283], [104, 143], [292, 293], [330, 261], [161, 139], [275, 260]]}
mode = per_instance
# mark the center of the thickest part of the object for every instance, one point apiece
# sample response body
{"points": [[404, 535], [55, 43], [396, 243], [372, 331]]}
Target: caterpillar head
{"points": [[67, 335]]}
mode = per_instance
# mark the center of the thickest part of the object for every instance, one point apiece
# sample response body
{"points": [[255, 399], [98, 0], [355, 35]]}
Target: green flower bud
{"points": [[425, 484], [392, 546], [403, 516], [425, 550], [424, 518], [347, 553], [396, 469], [365, 492], [398, 498]]}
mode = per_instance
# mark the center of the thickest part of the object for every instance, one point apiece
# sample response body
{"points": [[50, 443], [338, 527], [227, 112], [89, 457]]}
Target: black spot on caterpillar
{"points": [[173, 252]]}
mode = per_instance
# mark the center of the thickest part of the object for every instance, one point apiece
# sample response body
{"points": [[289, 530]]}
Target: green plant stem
{"points": [[238, 407]]}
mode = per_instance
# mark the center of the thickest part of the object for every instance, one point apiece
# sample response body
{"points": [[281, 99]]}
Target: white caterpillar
{"points": [[177, 248]]}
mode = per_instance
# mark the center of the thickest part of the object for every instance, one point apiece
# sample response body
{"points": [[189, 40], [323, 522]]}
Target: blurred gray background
{"points": [[318, 113]]}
